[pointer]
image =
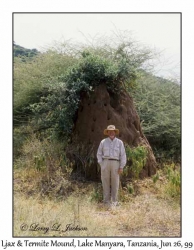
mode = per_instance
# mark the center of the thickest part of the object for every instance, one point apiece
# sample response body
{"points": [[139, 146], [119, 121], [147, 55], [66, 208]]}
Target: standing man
{"points": [[112, 159]]}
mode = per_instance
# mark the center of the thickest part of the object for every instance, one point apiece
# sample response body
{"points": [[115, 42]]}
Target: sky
{"points": [[160, 32]]}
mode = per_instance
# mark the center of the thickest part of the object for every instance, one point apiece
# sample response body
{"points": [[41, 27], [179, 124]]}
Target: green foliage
{"points": [[83, 157], [48, 88], [155, 177], [33, 80], [137, 156], [91, 71], [158, 104], [80, 69], [169, 179], [125, 193], [130, 188], [97, 194], [19, 51], [173, 187], [49, 112], [60, 107], [39, 162], [19, 139]]}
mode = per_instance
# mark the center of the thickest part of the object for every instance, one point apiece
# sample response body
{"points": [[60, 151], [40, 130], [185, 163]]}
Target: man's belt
{"points": [[112, 159]]}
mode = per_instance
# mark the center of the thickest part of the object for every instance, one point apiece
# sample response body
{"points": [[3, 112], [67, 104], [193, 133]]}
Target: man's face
{"points": [[111, 134]]}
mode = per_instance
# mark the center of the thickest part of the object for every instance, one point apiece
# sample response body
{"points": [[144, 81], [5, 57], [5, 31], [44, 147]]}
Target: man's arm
{"points": [[123, 158], [99, 153]]}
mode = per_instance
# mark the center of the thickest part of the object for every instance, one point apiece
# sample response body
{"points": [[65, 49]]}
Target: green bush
{"points": [[158, 104], [33, 78], [58, 110], [137, 156]]}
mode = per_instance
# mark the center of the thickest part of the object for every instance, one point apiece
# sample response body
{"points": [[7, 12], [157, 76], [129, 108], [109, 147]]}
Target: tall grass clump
{"points": [[167, 182], [173, 187], [41, 167]]}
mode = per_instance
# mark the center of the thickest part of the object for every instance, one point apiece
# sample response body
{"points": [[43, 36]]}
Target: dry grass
{"points": [[44, 195], [148, 212]]}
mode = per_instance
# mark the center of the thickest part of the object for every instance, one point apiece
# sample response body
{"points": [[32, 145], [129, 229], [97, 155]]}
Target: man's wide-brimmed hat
{"points": [[111, 127]]}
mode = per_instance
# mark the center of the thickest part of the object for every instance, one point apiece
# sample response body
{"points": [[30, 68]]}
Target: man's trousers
{"points": [[110, 180]]}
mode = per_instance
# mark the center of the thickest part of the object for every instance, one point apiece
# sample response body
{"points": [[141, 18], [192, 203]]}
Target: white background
{"points": [[6, 9]]}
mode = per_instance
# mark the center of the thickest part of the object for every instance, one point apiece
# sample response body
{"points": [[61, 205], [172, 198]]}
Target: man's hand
{"points": [[120, 171]]}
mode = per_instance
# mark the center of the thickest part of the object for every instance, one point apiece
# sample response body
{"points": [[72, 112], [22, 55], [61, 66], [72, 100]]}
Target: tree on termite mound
{"points": [[94, 114], [90, 95], [104, 101]]}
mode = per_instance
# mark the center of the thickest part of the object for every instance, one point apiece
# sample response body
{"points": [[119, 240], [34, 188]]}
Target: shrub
{"points": [[137, 156], [158, 104], [32, 79], [58, 110]]}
